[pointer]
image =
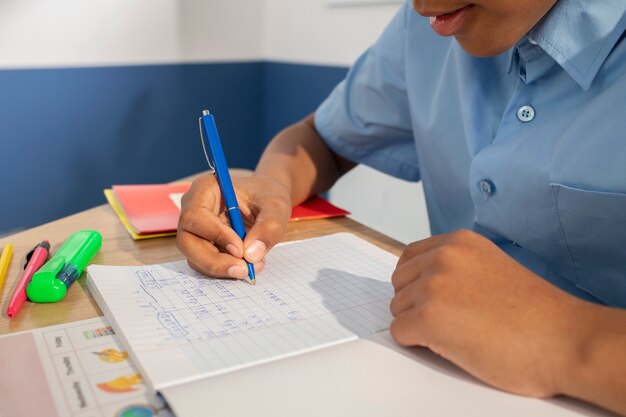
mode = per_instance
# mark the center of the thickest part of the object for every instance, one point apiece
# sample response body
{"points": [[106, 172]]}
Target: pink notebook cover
{"points": [[149, 208]]}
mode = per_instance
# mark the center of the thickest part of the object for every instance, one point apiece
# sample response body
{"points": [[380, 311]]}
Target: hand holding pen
{"points": [[205, 235], [214, 153]]}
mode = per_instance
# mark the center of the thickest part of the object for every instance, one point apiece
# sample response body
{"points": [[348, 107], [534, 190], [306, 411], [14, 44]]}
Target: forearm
{"points": [[599, 372], [300, 160]]}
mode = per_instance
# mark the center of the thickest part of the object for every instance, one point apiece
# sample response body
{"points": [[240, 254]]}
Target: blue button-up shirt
{"points": [[527, 147]]}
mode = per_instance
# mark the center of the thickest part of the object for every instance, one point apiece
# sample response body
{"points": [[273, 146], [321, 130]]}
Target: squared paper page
{"points": [[181, 326]]}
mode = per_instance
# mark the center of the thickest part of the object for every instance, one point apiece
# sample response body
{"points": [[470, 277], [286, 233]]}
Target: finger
{"points": [[204, 192], [408, 330], [206, 258], [202, 207], [417, 294], [405, 299], [420, 247], [403, 275], [411, 270], [268, 229], [201, 222], [200, 270], [259, 266]]}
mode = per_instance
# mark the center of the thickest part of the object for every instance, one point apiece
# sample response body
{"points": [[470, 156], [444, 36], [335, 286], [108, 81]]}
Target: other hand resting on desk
{"points": [[467, 300]]}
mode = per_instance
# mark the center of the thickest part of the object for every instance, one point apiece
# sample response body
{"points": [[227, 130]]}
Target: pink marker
{"points": [[35, 260]]}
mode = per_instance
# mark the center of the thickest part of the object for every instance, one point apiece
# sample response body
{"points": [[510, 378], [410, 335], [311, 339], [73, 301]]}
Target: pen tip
{"points": [[253, 281]]}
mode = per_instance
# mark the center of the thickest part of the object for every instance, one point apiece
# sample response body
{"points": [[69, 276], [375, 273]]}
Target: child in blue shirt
{"points": [[509, 113]]}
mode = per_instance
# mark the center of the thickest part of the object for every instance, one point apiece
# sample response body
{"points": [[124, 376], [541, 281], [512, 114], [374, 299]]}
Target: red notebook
{"points": [[155, 208], [151, 208]]}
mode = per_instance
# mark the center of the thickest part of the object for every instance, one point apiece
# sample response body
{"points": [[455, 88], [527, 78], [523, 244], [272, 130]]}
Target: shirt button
{"points": [[532, 41], [487, 187], [525, 114]]}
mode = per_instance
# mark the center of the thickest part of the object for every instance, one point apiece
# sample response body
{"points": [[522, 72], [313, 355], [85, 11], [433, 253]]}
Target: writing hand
{"points": [[206, 238]]}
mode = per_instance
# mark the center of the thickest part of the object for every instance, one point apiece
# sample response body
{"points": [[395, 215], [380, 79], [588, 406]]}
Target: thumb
{"points": [[268, 229]]}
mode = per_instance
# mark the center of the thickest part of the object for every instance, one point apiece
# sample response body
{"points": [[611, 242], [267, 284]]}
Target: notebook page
{"points": [[181, 326]]}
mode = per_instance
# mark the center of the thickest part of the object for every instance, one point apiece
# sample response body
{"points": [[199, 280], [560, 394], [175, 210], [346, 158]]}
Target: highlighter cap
{"points": [[75, 254]]}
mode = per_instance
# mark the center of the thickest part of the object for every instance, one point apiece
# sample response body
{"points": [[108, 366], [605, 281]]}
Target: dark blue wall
{"points": [[65, 134], [292, 91]]}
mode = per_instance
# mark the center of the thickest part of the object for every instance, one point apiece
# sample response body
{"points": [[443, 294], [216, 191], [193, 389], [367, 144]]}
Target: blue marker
{"points": [[215, 157]]}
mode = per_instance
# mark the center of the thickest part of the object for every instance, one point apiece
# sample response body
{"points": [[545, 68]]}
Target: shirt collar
{"points": [[580, 34]]}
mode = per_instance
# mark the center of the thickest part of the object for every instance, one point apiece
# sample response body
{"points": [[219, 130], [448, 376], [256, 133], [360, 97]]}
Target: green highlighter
{"points": [[51, 282]]}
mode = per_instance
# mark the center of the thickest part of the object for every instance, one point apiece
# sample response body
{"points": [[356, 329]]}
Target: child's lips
{"points": [[448, 24]]}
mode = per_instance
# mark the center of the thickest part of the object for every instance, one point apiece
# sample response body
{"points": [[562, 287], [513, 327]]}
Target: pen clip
{"points": [[206, 154]]}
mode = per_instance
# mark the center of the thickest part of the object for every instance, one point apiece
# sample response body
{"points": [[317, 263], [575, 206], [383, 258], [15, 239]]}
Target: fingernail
{"points": [[232, 249], [258, 266], [256, 250], [238, 271]]}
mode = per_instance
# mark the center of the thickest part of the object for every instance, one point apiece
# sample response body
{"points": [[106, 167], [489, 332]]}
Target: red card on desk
{"points": [[316, 208], [151, 208]]}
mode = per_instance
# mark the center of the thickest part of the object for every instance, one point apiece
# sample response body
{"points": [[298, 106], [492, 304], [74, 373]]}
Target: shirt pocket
{"points": [[593, 226]]}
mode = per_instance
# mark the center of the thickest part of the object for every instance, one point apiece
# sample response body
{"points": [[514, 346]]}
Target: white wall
{"points": [[66, 33], [392, 206], [230, 30], [310, 31]]}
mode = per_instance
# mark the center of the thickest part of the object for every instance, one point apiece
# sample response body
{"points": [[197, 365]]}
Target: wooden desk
{"points": [[119, 249], [413, 365]]}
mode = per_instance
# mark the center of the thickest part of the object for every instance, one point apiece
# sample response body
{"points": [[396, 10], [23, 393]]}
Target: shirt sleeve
{"points": [[366, 118]]}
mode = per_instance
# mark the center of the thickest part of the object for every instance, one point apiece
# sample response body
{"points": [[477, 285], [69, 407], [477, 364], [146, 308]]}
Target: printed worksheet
{"points": [[75, 369], [182, 326]]}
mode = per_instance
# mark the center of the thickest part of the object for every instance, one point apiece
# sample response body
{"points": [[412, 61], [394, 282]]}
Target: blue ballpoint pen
{"points": [[217, 162]]}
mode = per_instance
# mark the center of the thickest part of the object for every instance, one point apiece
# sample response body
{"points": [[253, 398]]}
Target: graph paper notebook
{"points": [[319, 306]]}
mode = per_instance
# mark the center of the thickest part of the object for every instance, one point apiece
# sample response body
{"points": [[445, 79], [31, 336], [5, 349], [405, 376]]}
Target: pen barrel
{"points": [[236, 222], [213, 147]]}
